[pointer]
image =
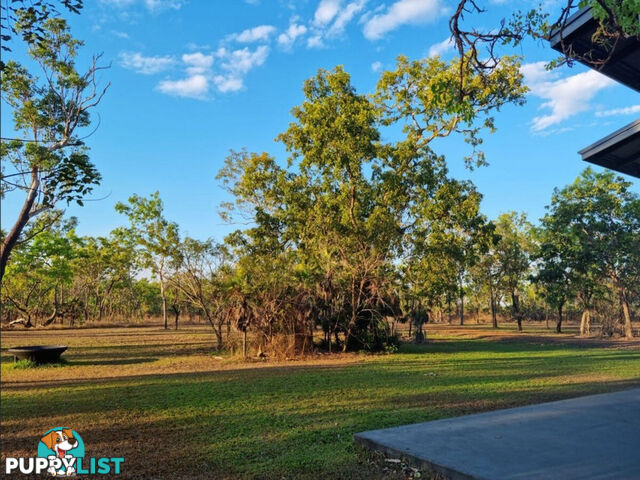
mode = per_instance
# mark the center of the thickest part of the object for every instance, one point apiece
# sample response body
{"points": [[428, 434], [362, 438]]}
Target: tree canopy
{"points": [[49, 163]]}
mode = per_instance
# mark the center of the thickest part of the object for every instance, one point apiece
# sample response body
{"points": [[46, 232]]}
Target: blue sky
{"points": [[191, 80]]}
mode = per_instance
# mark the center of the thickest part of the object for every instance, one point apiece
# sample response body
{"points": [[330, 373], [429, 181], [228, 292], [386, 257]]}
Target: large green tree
{"points": [[349, 207], [48, 161], [513, 253], [598, 216], [555, 276], [155, 238], [486, 274]]}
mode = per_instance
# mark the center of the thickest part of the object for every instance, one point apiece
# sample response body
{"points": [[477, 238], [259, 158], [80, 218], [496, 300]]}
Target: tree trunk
{"points": [[347, 334], [449, 312], [626, 314], [100, 311], [26, 322], [217, 329], [559, 324], [61, 314], [461, 306], [176, 312], [23, 217], [585, 322], [244, 342], [164, 302], [52, 317], [515, 303], [494, 316]]}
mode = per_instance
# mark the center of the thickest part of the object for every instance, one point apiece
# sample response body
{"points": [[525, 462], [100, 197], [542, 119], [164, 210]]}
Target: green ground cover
{"points": [[229, 419]]}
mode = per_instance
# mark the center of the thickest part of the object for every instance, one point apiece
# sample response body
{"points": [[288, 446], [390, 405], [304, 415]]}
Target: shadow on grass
{"points": [[122, 361], [511, 361]]}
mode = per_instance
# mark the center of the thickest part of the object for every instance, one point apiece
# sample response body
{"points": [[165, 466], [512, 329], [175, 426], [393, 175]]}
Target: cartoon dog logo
{"points": [[63, 447]]}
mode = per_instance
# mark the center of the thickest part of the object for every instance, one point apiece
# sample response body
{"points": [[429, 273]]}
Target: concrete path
{"points": [[586, 438]]}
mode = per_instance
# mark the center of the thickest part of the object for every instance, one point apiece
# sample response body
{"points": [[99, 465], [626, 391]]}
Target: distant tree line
{"points": [[583, 258]]}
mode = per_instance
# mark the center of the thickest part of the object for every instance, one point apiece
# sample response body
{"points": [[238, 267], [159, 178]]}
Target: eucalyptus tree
{"points": [[198, 275], [599, 216], [589, 290], [554, 274], [514, 253], [486, 274], [48, 162], [449, 238], [154, 237]]}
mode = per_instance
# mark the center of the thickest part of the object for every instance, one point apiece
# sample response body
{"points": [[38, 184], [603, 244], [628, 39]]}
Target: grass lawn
{"points": [[172, 409]]}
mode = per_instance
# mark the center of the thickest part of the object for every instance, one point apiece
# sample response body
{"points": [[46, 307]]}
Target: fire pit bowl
{"points": [[38, 353]]}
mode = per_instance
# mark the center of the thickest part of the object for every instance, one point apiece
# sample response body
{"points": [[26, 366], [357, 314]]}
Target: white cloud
{"points": [[200, 77], [155, 5], [441, 48], [242, 60], [565, 97], [289, 36], [226, 84], [197, 63], [345, 16], [118, 3], [261, 33], [151, 5], [146, 65], [619, 111], [120, 34], [198, 70], [375, 66], [236, 64], [197, 46], [330, 20], [196, 86], [402, 12], [326, 11], [315, 41]]}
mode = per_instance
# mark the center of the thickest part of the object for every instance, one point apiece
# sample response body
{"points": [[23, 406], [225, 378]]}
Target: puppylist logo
{"points": [[61, 454]]}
